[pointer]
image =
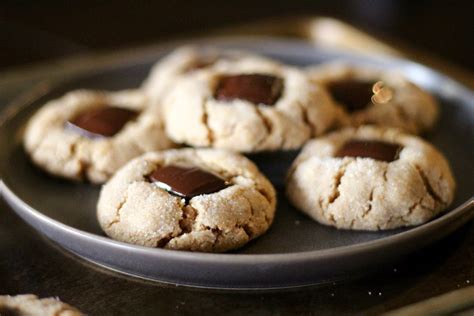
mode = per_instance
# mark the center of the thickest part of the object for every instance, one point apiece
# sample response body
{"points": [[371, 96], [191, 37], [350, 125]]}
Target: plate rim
{"points": [[20, 206], [11, 197]]}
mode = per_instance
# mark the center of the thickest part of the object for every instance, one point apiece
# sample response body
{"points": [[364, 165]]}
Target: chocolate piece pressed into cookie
{"points": [[375, 149], [186, 182], [101, 122], [256, 88], [353, 94]]}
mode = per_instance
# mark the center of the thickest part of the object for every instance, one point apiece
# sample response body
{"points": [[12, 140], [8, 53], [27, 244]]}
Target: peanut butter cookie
{"points": [[370, 178], [369, 96], [31, 305], [248, 105], [188, 199], [90, 134]]}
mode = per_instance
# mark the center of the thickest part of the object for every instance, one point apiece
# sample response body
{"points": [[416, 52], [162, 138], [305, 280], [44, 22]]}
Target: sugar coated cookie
{"points": [[189, 199], [370, 178], [31, 305], [248, 105], [366, 95], [90, 134]]}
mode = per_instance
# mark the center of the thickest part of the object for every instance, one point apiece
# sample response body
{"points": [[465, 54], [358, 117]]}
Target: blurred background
{"points": [[34, 31]]}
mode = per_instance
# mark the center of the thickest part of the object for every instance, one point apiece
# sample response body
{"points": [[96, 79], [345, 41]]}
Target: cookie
{"points": [[29, 305], [182, 61], [187, 199], [248, 105], [370, 178], [90, 134], [379, 97]]}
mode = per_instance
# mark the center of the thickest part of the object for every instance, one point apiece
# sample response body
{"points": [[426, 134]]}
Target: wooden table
{"points": [[32, 264]]}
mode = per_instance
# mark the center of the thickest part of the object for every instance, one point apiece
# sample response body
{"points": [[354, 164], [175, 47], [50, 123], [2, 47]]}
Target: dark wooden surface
{"points": [[34, 30], [31, 264]]}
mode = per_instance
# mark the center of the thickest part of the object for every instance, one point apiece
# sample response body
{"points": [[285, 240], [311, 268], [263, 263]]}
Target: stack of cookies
{"points": [[359, 168]]}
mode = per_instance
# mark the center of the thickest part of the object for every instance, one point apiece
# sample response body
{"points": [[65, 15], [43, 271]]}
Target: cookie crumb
{"points": [[382, 94]]}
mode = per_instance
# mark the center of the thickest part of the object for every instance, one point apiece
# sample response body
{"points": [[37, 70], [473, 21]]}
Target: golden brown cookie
{"points": [[31, 305], [247, 105], [370, 178], [187, 199], [90, 134], [367, 95]]}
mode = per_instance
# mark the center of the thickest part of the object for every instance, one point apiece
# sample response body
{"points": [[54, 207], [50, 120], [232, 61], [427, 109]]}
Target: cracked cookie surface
{"points": [[64, 149], [406, 106], [133, 209], [218, 107], [363, 193], [29, 304]]}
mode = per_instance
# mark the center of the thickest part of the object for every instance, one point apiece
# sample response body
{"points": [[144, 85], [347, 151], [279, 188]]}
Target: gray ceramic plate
{"points": [[296, 251]]}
